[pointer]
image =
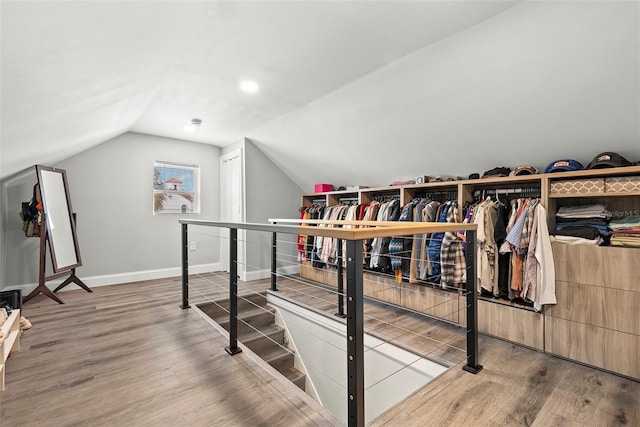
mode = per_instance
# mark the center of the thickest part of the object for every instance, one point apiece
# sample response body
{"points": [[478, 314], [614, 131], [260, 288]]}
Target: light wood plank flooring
{"points": [[518, 386], [128, 355]]}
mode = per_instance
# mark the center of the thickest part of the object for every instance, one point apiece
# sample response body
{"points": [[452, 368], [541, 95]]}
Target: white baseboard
{"points": [[266, 273], [130, 277]]}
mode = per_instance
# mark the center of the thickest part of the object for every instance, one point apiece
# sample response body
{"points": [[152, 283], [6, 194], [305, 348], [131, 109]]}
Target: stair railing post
{"points": [[472, 305], [233, 293], [185, 268], [355, 335], [340, 275], [274, 286]]}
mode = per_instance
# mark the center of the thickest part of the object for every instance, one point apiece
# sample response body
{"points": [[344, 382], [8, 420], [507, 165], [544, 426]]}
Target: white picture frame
{"points": [[176, 188]]}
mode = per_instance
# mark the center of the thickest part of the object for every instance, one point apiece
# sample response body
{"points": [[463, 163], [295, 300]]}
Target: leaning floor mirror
{"points": [[58, 214]]}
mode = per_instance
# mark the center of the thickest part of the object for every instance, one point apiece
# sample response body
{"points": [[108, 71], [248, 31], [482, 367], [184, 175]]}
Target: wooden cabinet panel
{"points": [[434, 302], [513, 324], [609, 267], [424, 299], [381, 288], [603, 348], [322, 275], [603, 307]]}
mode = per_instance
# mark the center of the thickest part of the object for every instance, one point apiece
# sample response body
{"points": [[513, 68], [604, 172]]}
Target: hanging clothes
{"points": [[376, 244], [514, 239], [369, 214], [435, 244], [504, 259], [452, 261], [381, 250], [400, 247], [487, 247], [424, 267], [418, 245], [539, 284]]}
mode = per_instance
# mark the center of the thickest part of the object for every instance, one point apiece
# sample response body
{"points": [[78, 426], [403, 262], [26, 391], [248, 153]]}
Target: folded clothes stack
{"points": [[626, 231], [585, 224]]}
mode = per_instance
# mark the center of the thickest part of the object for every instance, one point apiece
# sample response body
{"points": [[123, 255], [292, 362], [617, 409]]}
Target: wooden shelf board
{"points": [[583, 195]]}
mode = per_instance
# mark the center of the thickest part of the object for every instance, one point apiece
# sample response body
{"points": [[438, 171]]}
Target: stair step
{"points": [[221, 316], [280, 358], [295, 376], [220, 308], [267, 330], [257, 330], [248, 322], [264, 342]]}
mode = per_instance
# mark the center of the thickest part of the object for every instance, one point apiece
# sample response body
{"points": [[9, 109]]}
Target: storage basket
{"points": [[578, 186], [623, 184], [12, 298]]}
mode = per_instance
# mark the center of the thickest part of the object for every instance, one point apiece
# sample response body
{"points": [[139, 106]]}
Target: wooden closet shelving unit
{"points": [[10, 342], [597, 318]]}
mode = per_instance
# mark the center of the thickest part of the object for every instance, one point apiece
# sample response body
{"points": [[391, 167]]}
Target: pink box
{"points": [[323, 188]]}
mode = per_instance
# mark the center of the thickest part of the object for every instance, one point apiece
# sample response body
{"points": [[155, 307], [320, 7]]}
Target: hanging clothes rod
{"points": [[448, 194], [386, 197], [440, 192], [497, 191], [438, 195]]}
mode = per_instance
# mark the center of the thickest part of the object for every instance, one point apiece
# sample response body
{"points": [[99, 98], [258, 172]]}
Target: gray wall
{"points": [[120, 238], [269, 193]]}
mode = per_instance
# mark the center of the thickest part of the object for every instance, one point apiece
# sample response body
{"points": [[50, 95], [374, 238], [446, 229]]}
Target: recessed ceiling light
{"points": [[249, 86]]}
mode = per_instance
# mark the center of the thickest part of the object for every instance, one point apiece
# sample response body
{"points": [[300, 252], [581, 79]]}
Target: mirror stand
{"points": [[43, 278]]}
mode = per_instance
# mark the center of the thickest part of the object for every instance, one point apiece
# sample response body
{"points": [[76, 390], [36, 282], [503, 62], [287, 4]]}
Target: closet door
{"points": [[232, 207]]}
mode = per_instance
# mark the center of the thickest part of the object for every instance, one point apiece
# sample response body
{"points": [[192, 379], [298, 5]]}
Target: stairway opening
{"points": [[258, 331]]}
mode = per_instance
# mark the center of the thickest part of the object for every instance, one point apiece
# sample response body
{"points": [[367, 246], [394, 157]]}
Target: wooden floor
{"points": [[128, 355]]}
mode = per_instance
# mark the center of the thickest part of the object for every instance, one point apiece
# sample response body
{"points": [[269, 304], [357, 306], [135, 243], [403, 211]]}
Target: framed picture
{"points": [[176, 188]]}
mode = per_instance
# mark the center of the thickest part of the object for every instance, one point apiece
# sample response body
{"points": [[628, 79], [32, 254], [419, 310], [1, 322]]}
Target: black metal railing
{"points": [[354, 286]]}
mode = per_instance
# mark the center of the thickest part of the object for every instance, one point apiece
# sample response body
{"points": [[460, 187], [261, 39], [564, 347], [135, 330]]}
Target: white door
{"points": [[232, 206]]}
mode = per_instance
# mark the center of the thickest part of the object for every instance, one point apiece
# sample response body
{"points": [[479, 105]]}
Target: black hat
{"points": [[498, 171], [608, 160]]}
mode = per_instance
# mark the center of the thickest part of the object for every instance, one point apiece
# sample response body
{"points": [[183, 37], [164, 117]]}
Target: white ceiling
{"points": [[352, 92], [78, 73]]}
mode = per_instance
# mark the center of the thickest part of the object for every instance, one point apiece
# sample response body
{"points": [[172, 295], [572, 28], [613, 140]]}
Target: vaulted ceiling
{"points": [[76, 74]]}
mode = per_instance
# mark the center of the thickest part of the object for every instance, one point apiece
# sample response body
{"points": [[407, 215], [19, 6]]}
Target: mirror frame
{"points": [[59, 212]]}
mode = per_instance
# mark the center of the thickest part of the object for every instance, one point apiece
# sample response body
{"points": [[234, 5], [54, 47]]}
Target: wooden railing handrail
{"points": [[368, 229]]}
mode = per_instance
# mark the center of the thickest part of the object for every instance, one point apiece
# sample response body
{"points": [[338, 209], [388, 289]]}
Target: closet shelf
{"points": [[508, 303], [599, 194]]}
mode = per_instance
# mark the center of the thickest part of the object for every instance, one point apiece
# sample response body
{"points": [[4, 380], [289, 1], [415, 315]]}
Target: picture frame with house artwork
{"points": [[176, 188]]}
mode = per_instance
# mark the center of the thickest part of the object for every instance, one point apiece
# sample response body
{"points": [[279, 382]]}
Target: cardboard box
{"points": [[323, 188]]}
